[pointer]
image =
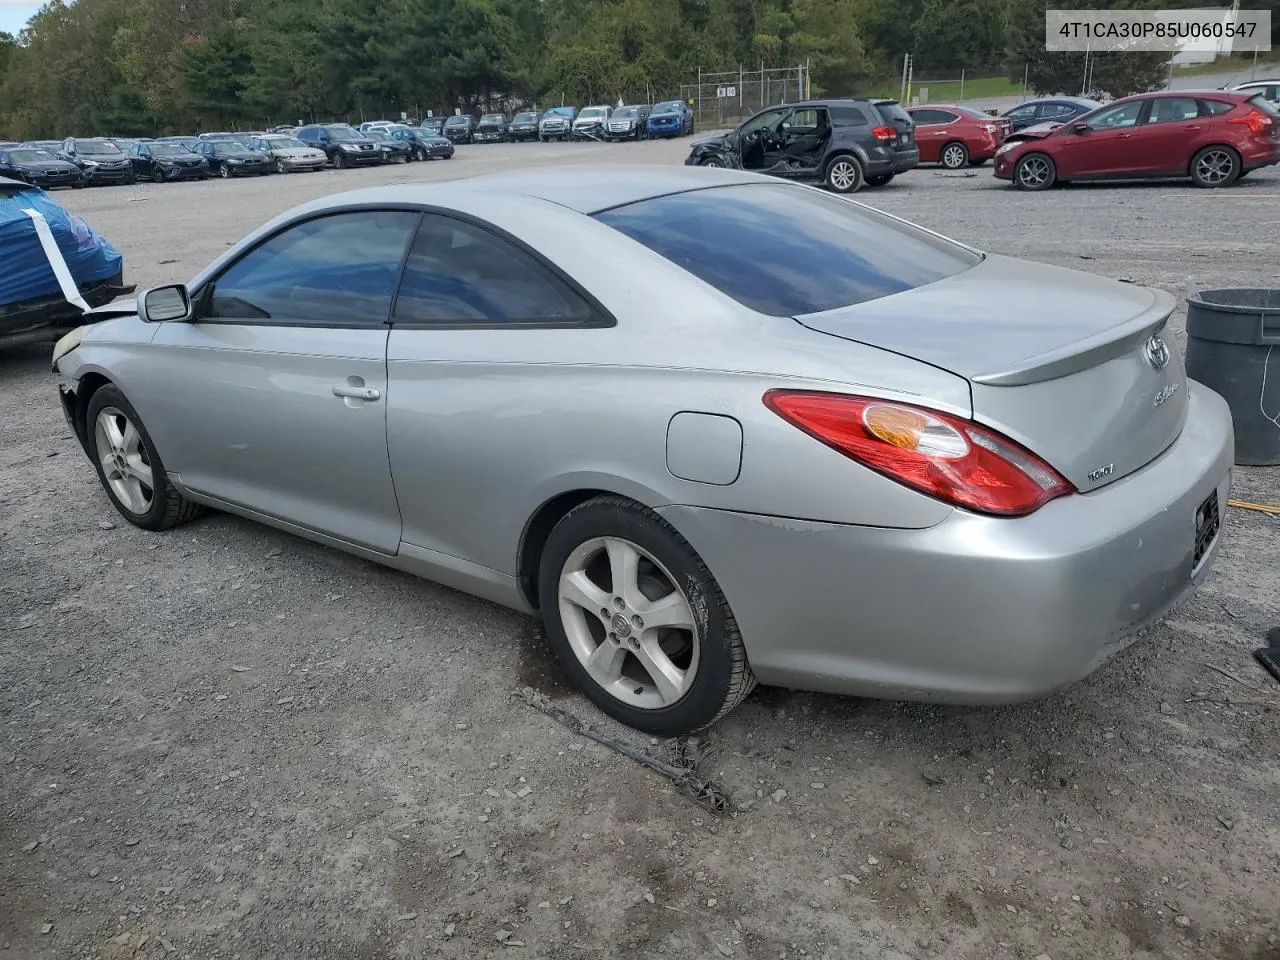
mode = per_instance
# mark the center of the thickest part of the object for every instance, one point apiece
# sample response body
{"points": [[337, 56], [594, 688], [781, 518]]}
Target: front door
{"points": [[277, 391], [804, 137], [757, 144], [1104, 147]]}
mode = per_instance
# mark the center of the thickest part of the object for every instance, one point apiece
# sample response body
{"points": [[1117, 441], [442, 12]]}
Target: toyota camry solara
{"points": [[711, 427]]}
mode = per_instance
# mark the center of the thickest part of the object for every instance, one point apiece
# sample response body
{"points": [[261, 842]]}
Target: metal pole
{"points": [[962, 83], [1026, 72], [902, 90], [1253, 69], [1084, 81], [911, 72]]}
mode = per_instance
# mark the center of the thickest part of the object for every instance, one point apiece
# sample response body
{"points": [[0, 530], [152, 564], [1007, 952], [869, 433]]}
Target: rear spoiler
{"points": [[1086, 353]]}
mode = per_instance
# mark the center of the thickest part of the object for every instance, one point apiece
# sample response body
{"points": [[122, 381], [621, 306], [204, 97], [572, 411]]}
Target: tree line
{"points": [[150, 66]]}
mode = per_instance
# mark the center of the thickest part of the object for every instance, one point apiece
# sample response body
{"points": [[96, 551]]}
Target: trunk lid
{"points": [[1061, 361]]}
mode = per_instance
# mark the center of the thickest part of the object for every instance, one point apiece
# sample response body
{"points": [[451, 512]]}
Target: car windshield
{"points": [[457, 121], [589, 112], [525, 118], [97, 148], [673, 107], [345, 133], [787, 251], [284, 143], [626, 113], [491, 118], [399, 128], [231, 147], [166, 149], [31, 156]]}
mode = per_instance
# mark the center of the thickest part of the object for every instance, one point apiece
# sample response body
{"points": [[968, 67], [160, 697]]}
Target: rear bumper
{"points": [[976, 609], [1260, 154], [882, 160], [47, 318]]}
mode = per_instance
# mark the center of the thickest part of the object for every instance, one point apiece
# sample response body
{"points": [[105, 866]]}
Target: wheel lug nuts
{"points": [[604, 613], [637, 623], [618, 604]]}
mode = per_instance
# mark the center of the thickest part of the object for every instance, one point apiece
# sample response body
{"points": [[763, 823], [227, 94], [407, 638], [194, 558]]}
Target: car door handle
{"points": [[1191, 126], [356, 393]]}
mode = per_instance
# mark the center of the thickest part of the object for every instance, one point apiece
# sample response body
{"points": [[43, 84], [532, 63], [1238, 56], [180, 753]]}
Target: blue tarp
{"points": [[25, 273]]}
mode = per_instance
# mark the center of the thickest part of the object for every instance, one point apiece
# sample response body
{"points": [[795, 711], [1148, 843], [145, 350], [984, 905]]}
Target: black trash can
{"points": [[1231, 336]]}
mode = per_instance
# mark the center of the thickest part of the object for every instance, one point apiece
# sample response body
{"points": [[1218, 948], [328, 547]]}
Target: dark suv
{"points": [[840, 143], [344, 145]]}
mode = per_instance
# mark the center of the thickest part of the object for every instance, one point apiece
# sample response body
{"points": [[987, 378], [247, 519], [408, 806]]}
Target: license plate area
{"points": [[1208, 523]]}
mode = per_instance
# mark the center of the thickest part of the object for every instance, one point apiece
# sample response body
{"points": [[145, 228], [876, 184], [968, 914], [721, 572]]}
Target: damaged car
{"points": [[40, 167], [56, 267], [842, 144]]}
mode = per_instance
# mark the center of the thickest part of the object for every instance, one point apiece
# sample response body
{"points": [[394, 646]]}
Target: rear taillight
{"points": [[947, 457], [1257, 122], [884, 133]]}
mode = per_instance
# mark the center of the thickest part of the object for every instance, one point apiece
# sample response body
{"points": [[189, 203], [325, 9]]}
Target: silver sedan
{"points": [[713, 428]]}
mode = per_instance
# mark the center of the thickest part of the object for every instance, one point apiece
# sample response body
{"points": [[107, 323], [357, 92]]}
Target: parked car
{"points": [[53, 146], [100, 160], [955, 137], [767, 456], [422, 145], [1213, 137], [166, 161], [1050, 109], [1267, 89], [342, 144], [39, 168], [394, 150], [840, 143], [375, 125], [524, 126], [240, 138], [289, 154], [590, 123], [460, 128], [231, 158], [433, 126], [33, 304], [556, 123], [492, 128], [187, 142], [672, 118], [629, 123]]}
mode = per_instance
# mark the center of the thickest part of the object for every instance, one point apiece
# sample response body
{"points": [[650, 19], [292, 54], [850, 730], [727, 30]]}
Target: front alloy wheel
{"points": [[280, 167], [638, 621], [1035, 171]]}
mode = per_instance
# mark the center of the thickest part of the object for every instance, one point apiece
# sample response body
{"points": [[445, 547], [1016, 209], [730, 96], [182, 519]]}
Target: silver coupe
{"points": [[713, 428]]}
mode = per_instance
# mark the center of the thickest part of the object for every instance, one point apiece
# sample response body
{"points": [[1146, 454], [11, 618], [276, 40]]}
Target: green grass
{"points": [[975, 88]]}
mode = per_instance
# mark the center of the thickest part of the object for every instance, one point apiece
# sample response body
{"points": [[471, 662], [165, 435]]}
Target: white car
{"points": [[289, 154], [1267, 89], [591, 122]]}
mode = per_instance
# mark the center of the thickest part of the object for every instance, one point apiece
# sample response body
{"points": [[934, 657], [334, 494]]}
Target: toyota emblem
{"points": [[1157, 352]]}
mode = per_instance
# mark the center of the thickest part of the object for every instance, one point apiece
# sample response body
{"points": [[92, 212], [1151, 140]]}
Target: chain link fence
{"points": [[724, 98]]}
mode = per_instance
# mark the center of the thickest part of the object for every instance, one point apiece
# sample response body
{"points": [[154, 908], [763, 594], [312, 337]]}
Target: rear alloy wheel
{"points": [[1215, 167], [1035, 171], [844, 175], [955, 156], [129, 467], [637, 620], [879, 180]]}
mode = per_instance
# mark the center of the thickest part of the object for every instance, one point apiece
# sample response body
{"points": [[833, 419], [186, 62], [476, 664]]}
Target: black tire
{"points": [[1215, 166], [166, 508], [722, 676], [843, 174], [1035, 171], [879, 180], [420, 154], [954, 155], [339, 162], [710, 162]]}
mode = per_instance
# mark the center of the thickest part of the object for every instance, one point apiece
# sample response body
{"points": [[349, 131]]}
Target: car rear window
{"points": [[892, 113], [786, 250]]}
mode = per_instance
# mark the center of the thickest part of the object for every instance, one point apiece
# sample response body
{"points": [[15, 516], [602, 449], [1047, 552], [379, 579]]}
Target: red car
{"points": [[956, 137], [1214, 137]]}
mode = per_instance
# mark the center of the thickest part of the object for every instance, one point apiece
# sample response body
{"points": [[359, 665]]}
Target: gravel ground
{"points": [[226, 742]]}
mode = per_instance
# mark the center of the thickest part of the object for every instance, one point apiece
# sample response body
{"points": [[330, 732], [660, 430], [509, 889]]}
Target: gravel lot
{"points": [[226, 742]]}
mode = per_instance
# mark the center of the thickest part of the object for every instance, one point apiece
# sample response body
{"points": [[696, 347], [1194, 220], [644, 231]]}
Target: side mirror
{"points": [[1080, 127], [163, 304]]}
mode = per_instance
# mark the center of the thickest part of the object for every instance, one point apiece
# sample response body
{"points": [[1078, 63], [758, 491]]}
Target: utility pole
{"points": [[1026, 72], [902, 92], [1084, 81]]}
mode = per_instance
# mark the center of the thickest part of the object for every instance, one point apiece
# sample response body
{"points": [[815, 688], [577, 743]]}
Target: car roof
{"points": [[1238, 96], [583, 189]]}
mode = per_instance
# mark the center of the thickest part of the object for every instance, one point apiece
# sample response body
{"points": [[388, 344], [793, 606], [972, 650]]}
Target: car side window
{"points": [[1211, 108], [847, 117], [1022, 113], [769, 119], [460, 273], [1125, 115], [1173, 109], [805, 121], [1056, 111], [336, 270]]}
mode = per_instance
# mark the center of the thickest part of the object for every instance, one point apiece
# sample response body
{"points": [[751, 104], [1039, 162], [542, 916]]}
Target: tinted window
{"points": [[847, 117], [460, 273], [1022, 113], [96, 148], [807, 120], [1214, 107], [1172, 109], [785, 250], [338, 270], [893, 113], [926, 117]]}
